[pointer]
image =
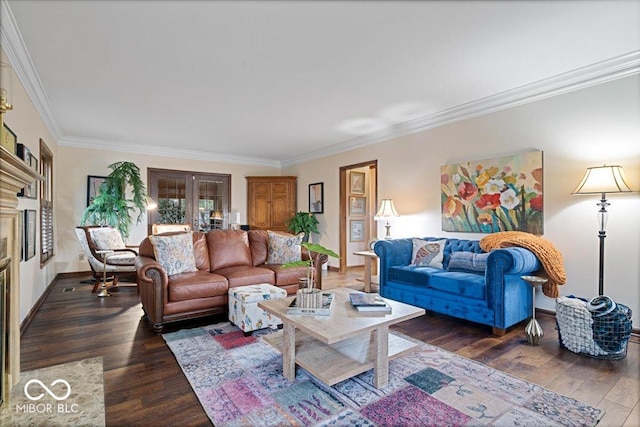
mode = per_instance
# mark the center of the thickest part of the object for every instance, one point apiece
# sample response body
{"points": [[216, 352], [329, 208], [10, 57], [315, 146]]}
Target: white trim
{"points": [[590, 75]]}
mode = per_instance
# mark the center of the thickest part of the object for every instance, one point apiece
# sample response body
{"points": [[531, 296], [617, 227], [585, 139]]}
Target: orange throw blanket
{"points": [[549, 256]]}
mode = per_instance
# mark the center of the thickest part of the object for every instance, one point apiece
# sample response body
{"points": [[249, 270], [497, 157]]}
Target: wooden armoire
{"points": [[271, 201]]}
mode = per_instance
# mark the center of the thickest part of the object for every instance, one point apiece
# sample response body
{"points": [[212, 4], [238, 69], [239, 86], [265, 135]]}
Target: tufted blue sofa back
{"points": [[456, 245]]}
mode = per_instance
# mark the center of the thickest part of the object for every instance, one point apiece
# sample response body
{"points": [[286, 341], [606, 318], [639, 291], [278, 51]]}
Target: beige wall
{"points": [[585, 128], [25, 121]]}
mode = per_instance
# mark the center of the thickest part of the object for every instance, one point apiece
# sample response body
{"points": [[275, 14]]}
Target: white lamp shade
{"points": [[604, 179], [151, 204], [387, 210]]}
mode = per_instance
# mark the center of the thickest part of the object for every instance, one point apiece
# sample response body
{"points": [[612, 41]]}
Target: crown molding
{"points": [[15, 49], [101, 144], [590, 75]]}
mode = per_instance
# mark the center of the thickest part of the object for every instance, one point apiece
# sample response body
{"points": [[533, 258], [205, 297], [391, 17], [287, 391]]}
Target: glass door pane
{"points": [[213, 205], [172, 202]]}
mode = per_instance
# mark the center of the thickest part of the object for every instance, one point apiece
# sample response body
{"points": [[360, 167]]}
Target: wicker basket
{"points": [[601, 337]]}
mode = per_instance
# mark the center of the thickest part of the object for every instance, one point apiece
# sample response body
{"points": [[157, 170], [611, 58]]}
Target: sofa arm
{"points": [[152, 284], [509, 295], [514, 261], [318, 261], [391, 253]]}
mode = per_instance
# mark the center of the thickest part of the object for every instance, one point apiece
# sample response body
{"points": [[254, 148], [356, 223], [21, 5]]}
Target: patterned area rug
{"points": [[71, 394], [239, 382]]}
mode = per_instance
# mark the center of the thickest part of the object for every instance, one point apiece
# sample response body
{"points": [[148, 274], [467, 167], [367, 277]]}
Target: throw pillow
{"points": [[468, 262], [106, 238], [284, 248], [428, 253], [174, 252]]}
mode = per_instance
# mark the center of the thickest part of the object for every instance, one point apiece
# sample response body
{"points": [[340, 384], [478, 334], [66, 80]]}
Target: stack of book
{"points": [[369, 303], [325, 310]]}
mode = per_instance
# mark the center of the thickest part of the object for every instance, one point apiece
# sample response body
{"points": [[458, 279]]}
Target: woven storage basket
{"points": [[604, 337]]}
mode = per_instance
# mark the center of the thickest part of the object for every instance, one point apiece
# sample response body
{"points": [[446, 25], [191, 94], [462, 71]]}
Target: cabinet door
{"points": [[280, 205], [260, 197]]}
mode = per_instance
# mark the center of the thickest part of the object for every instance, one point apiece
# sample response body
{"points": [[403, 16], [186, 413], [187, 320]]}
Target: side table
{"points": [[369, 256], [533, 331], [103, 290]]}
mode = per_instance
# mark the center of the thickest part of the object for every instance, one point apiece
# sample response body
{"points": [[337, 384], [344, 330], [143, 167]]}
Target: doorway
{"points": [[358, 202], [201, 200]]}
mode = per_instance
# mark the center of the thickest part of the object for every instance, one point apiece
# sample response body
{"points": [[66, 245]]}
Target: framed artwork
{"points": [[93, 187], [357, 230], [8, 139], [357, 182], [486, 196], [30, 234], [316, 197], [357, 205]]}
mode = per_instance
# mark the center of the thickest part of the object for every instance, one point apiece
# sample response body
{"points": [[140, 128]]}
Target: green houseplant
{"points": [[303, 222], [111, 206]]}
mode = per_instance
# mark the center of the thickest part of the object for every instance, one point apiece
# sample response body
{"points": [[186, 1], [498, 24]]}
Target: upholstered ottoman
{"points": [[243, 306]]}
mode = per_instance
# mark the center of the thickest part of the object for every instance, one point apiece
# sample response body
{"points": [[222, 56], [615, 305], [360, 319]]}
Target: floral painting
{"points": [[486, 196]]}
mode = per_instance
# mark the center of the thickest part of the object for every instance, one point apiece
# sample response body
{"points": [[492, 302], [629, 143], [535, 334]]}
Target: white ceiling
{"points": [[278, 82]]}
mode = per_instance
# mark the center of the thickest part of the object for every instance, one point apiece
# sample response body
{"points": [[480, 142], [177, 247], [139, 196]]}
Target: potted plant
{"points": [[310, 297], [111, 206], [303, 222]]}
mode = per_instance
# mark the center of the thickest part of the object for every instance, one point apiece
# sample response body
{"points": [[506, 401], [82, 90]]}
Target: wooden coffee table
{"points": [[342, 345]]}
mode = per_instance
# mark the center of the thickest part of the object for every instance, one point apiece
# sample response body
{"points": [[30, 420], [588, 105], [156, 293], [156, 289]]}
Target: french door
{"points": [[198, 199]]}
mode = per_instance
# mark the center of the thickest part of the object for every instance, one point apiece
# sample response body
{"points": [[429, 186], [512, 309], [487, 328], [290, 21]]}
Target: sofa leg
{"points": [[499, 331], [158, 328], [247, 334]]}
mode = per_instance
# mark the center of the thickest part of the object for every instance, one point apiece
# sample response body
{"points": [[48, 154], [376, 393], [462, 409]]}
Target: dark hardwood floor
{"points": [[145, 386]]}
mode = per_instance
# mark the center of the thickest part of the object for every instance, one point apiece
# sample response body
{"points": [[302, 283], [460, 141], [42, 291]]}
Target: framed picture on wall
{"points": [[8, 139], [357, 182], [316, 198], [357, 205], [93, 187], [29, 234], [357, 230]]}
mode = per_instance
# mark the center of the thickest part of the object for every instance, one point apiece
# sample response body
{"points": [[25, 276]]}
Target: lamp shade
{"points": [[604, 179], [387, 210], [151, 204]]}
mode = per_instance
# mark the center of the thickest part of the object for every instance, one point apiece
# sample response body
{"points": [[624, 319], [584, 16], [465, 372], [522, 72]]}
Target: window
{"points": [[46, 203]]}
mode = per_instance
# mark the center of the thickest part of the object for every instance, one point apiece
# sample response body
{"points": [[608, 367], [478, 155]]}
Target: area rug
{"points": [[71, 394], [239, 382]]}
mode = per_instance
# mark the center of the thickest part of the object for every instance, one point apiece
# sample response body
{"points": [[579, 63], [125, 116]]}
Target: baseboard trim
{"points": [[27, 320]]}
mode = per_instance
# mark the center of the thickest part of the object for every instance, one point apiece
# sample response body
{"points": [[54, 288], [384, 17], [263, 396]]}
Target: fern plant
{"points": [[111, 206]]}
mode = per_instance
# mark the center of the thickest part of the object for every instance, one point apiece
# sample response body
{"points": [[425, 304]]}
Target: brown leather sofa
{"points": [[224, 259]]}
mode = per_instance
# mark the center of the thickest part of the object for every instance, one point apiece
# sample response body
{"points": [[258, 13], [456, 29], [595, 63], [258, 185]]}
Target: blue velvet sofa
{"points": [[497, 296]]}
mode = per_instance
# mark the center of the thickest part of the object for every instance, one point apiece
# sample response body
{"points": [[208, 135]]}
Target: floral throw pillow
{"points": [[428, 253], [106, 238], [284, 248], [174, 253]]}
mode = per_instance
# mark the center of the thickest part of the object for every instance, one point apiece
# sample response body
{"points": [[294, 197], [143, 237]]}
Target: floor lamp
{"points": [[602, 180]]}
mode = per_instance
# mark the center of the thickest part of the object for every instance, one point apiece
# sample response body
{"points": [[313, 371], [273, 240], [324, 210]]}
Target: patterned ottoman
{"points": [[243, 306]]}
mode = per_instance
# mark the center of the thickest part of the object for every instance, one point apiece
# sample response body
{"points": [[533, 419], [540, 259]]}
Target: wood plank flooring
{"points": [[145, 386]]}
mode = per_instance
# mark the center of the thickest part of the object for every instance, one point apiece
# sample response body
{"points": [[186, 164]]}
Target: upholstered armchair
{"points": [[120, 260]]}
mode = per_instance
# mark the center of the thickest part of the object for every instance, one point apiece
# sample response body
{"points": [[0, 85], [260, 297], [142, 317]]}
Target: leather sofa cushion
{"points": [[241, 275], [259, 242], [228, 248], [286, 276], [199, 284], [467, 285]]}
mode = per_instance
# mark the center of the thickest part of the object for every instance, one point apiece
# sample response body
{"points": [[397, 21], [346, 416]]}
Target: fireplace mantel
{"points": [[14, 176]]}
